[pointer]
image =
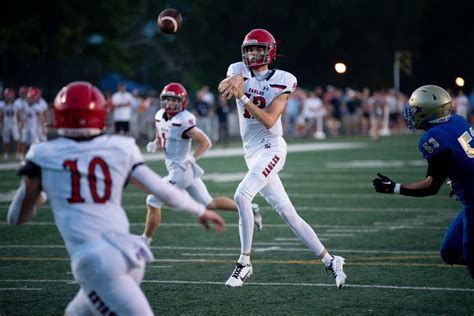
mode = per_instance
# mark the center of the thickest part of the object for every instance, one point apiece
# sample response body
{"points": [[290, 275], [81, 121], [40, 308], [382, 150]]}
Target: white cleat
{"points": [[240, 275], [335, 268], [257, 216]]}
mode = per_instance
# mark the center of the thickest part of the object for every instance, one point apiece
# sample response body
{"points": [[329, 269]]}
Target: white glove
{"points": [[146, 239], [190, 160], [151, 147]]}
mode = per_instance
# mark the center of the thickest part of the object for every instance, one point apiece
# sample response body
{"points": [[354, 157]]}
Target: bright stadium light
{"points": [[459, 82], [340, 68]]}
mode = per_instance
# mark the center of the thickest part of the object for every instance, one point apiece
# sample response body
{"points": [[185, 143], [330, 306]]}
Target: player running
{"points": [[83, 173], [175, 131], [448, 147]]}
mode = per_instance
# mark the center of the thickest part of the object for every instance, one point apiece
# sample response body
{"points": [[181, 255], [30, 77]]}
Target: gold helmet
{"points": [[428, 105]]}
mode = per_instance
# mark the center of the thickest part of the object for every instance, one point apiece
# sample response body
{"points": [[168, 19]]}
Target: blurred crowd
{"points": [[320, 113]]}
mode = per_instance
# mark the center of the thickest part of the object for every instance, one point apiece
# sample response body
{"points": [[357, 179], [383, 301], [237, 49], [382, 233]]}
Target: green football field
{"points": [[390, 244]]}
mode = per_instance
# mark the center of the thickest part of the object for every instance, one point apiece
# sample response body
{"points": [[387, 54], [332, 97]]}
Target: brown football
{"points": [[170, 21]]}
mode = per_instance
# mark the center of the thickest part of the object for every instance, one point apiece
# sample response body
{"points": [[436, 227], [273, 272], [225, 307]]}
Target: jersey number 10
{"points": [[76, 181]]}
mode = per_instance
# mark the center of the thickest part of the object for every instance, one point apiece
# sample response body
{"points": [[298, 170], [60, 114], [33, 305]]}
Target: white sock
{"points": [[327, 259], [244, 259]]}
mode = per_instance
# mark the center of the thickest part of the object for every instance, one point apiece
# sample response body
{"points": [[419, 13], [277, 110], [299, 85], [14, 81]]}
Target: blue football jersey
{"points": [[456, 135]]}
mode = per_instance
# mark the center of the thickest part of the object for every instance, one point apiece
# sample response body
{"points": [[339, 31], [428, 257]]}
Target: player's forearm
{"points": [[143, 177], [203, 146], [421, 188], [267, 119], [23, 207]]}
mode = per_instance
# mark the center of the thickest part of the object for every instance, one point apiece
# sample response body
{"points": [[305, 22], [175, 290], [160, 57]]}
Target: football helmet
{"points": [[263, 38], [33, 94], [174, 98], [9, 94], [79, 110], [428, 105]]}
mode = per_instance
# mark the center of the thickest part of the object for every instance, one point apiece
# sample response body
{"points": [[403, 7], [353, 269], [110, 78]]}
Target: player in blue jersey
{"points": [[446, 145]]}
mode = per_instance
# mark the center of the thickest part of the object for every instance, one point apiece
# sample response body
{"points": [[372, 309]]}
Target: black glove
{"points": [[383, 184]]}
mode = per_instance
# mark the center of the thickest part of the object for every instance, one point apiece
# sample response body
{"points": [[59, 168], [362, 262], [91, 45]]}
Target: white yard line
{"points": [[377, 227], [200, 249], [250, 283], [234, 152], [19, 289]]}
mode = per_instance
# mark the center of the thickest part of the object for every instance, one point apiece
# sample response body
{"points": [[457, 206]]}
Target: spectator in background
{"points": [[135, 113], [462, 105], [122, 102], [391, 102], [366, 109], [471, 103], [332, 101], [351, 118], [109, 111], [222, 111], [292, 110], [151, 106], [377, 105], [313, 113], [202, 109]]}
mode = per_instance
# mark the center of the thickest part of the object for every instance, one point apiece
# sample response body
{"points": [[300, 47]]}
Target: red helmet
{"points": [[79, 110], [9, 94], [33, 94], [174, 90], [259, 37]]}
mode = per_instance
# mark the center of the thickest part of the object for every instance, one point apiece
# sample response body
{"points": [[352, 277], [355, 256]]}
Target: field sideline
{"points": [[390, 243]]}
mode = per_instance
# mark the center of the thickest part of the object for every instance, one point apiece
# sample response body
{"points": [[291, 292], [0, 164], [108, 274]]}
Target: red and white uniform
{"points": [[10, 121], [265, 155], [29, 133], [84, 181], [262, 94], [264, 149], [177, 147], [42, 108]]}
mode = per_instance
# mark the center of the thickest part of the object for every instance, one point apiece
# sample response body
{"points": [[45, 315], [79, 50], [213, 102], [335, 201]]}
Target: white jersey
{"points": [[30, 117], [84, 181], [261, 93], [10, 114], [171, 131]]}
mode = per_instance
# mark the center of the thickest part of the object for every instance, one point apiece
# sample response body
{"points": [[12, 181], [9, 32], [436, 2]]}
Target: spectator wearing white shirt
{"points": [[462, 105], [122, 103]]}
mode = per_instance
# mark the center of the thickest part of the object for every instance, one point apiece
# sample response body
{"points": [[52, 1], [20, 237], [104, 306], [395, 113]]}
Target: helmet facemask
{"points": [[254, 55], [172, 104]]}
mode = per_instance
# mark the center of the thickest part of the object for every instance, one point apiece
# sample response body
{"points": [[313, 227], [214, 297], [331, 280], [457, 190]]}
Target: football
{"points": [[170, 21]]}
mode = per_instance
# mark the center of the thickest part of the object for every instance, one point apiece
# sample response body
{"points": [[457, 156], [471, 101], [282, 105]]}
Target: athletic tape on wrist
{"points": [[243, 100], [396, 190]]}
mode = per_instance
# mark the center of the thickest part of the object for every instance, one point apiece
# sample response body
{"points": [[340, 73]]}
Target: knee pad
{"points": [[153, 201]]}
